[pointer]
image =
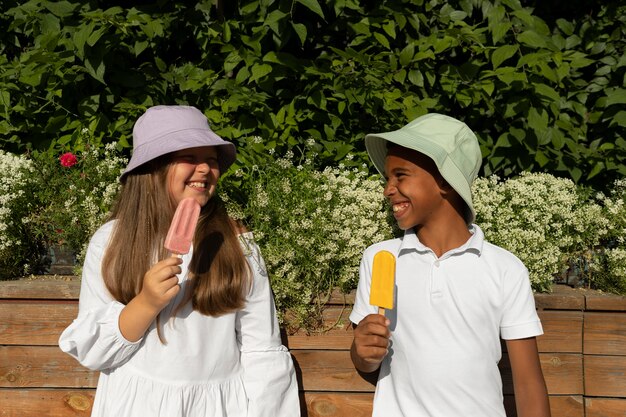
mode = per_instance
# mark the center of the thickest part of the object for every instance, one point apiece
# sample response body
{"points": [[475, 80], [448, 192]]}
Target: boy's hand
{"points": [[371, 343]]}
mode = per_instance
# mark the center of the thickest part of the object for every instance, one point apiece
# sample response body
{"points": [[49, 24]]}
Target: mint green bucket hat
{"points": [[446, 140]]}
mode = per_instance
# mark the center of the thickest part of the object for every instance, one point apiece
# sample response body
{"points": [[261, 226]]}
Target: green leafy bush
{"points": [[53, 198], [72, 194], [608, 270], [542, 94], [607, 265]]}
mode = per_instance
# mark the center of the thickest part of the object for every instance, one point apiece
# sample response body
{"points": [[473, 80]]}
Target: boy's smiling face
{"points": [[414, 187]]}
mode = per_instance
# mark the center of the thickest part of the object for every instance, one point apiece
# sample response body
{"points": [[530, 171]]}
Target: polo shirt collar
{"points": [[474, 244]]}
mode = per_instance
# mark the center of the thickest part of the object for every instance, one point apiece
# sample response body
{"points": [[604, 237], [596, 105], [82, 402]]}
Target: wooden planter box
{"points": [[583, 355]]}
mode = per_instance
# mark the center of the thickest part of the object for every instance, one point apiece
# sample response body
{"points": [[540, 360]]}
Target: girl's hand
{"points": [[160, 283], [371, 342]]}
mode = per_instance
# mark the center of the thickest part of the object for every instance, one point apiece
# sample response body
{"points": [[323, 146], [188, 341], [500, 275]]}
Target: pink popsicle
{"points": [[183, 227]]}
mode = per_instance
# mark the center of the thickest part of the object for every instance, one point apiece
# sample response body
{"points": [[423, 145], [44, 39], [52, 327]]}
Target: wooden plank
{"points": [[357, 405], [65, 403], [46, 403], [78, 403], [562, 297], [563, 373], [563, 331], [32, 323], [69, 403], [606, 302], [560, 406], [605, 333], [605, 376], [323, 404], [566, 406], [42, 367], [65, 288], [333, 371], [605, 407], [334, 340], [328, 370]]}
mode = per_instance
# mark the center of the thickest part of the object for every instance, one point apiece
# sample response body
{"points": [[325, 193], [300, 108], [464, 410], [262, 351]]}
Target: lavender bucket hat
{"points": [[165, 129]]}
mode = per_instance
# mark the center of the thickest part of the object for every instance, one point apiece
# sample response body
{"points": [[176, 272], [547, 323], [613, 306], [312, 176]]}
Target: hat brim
{"points": [[376, 146], [179, 140]]}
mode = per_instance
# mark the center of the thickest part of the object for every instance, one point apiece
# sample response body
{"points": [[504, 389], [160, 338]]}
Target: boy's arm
{"points": [[531, 395]]}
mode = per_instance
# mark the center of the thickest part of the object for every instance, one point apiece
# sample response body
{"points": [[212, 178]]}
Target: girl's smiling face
{"points": [[193, 173]]}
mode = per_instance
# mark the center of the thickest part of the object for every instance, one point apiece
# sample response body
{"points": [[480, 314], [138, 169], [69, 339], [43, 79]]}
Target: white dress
{"points": [[228, 366]]}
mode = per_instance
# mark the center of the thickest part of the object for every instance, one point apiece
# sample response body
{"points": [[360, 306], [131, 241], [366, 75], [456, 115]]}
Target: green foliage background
{"points": [[543, 92]]}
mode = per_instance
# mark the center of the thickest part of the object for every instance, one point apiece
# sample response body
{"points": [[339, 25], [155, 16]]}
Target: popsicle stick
{"points": [[381, 311]]}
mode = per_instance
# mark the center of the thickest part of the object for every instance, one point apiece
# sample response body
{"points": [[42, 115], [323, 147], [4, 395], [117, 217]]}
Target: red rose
{"points": [[68, 159]]}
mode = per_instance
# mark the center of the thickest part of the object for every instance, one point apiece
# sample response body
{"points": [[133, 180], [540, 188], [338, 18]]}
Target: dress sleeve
{"points": [[94, 338], [269, 375]]}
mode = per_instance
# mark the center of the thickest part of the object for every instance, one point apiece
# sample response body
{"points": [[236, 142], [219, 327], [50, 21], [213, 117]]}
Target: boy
{"points": [[456, 294]]}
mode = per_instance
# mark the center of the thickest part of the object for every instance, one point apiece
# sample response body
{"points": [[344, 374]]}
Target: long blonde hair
{"points": [[143, 212]]}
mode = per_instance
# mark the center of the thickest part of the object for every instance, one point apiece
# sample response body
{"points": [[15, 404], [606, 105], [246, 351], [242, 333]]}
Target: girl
{"points": [[207, 346]]}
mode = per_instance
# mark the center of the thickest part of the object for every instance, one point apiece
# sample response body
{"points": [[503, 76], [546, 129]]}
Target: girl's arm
{"points": [[160, 285], [94, 337], [531, 395]]}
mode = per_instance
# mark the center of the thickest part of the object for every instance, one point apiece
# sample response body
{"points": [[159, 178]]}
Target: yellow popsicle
{"points": [[383, 279]]}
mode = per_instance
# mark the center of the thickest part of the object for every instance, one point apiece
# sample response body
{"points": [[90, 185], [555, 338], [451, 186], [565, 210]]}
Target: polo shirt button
{"points": [[437, 263]]}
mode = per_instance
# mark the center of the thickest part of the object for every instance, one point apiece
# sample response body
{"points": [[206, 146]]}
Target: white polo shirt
{"points": [[448, 317]]}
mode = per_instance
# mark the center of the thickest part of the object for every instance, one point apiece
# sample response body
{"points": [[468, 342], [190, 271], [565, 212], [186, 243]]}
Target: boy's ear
{"points": [[443, 184]]}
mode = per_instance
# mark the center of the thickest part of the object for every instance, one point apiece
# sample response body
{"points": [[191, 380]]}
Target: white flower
{"points": [[13, 201], [284, 163], [315, 233], [538, 217]]}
